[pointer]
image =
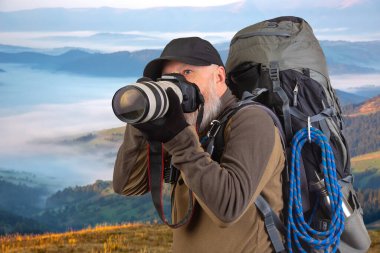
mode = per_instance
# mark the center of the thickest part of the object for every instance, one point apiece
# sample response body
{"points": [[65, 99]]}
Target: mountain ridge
{"points": [[367, 107], [341, 60]]}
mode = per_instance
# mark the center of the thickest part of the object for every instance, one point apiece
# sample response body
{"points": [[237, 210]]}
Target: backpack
{"points": [[280, 64]]}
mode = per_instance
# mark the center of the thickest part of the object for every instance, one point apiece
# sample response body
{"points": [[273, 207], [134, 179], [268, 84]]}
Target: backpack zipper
{"points": [[260, 33], [295, 94]]}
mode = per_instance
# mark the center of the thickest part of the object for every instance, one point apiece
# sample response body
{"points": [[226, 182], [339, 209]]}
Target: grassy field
{"points": [[367, 161], [375, 238], [140, 238]]}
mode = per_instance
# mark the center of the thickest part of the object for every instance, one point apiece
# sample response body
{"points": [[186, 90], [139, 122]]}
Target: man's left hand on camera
{"points": [[164, 129]]}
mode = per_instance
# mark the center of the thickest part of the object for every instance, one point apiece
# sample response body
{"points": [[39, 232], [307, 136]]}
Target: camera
{"points": [[147, 100]]}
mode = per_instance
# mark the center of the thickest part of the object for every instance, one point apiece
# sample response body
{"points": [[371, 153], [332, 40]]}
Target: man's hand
{"points": [[164, 129]]}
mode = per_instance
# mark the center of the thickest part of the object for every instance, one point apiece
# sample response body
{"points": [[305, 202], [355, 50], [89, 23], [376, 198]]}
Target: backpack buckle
{"points": [[215, 126], [274, 69]]}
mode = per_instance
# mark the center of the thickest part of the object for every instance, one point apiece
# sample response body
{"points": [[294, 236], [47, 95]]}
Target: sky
{"points": [[131, 28], [13, 5]]}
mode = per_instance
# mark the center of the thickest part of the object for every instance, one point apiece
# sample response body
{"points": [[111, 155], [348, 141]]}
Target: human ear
{"points": [[220, 80], [220, 75]]}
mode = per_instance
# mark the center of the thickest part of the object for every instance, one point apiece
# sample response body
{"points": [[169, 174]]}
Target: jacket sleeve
{"points": [[130, 175], [252, 154]]}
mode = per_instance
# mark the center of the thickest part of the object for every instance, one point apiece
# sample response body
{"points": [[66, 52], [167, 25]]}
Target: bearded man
{"points": [[251, 164]]}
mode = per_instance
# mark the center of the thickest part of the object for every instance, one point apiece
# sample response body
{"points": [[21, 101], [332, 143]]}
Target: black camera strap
{"points": [[156, 169], [201, 110]]}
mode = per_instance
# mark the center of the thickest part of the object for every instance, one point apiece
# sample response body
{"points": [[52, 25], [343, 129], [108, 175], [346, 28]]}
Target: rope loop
{"points": [[299, 232]]}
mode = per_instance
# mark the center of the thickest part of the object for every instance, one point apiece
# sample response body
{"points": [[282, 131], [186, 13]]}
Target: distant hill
{"points": [[21, 199], [120, 64], [11, 224], [2, 71], [25, 209], [370, 106], [362, 133], [362, 123], [368, 91], [346, 98], [49, 51], [83, 206], [77, 194], [27, 179], [342, 58]]}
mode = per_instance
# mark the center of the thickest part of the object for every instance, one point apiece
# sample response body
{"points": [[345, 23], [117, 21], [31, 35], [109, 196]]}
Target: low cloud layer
{"points": [[20, 132], [29, 141], [107, 42], [351, 83]]}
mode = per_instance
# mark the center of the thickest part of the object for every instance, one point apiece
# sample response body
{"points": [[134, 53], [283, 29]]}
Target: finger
{"points": [[175, 107], [172, 97]]}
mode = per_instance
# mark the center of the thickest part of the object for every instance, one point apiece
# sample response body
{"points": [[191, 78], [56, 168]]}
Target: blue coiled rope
{"points": [[298, 231]]}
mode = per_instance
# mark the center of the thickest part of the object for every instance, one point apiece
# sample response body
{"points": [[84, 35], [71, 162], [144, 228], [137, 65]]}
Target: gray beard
{"points": [[212, 109]]}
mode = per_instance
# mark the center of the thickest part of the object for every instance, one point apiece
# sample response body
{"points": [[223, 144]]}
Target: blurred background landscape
{"points": [[62, 61]]}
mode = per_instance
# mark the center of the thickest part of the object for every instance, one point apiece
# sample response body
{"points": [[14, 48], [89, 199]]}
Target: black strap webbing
{"points": [[156, 180], [326, 113], [274, 74], [320, 117], [272, 223]]}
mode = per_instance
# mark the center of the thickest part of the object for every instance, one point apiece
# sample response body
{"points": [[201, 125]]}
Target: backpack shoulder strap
{"points": [[215, 134], [272, 223], [215, 148]]}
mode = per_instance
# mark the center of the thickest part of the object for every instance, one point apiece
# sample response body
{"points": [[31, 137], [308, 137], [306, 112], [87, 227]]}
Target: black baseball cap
{"points": [[191, 50]]}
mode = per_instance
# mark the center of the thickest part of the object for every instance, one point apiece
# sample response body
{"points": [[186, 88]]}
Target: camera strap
{"points": [[199, 117], [156, 167]]}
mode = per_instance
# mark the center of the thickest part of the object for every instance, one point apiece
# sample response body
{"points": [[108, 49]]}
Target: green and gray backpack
{"points": [[280, 64]]}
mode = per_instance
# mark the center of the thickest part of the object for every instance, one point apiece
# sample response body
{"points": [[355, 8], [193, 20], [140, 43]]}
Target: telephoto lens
{"points": [[144, 101]]}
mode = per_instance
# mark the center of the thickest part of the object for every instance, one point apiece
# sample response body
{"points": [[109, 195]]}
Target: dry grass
{"points": [[139, 238], [367, 161], [369, 156], [375, 238]]}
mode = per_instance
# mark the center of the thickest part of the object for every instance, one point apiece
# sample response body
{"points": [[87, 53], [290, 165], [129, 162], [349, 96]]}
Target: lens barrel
{"points": [[143, 102]]}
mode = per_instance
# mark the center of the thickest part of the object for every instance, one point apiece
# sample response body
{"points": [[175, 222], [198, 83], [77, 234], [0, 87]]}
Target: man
{"points": [[225, 219]]}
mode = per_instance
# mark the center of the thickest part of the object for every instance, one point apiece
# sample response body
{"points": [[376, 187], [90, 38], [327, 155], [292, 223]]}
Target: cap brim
{"points": [[154, 68]]}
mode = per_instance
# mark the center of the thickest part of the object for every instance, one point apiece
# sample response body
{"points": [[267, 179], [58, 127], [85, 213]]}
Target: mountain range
{"points": [[347, 98], [370, 106], [342, 58]]}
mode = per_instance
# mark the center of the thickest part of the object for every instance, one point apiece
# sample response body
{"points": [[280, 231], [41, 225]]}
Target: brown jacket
{"points": [[226, 219]]}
